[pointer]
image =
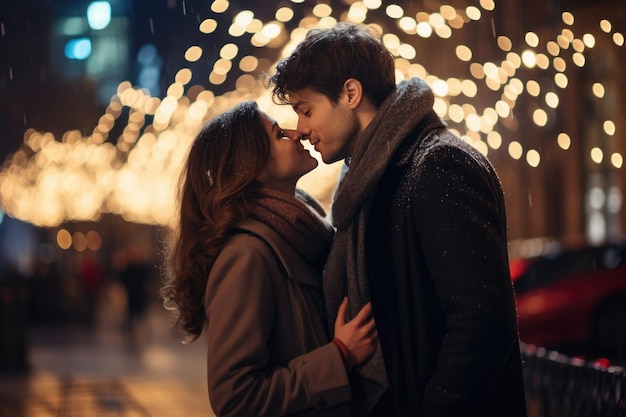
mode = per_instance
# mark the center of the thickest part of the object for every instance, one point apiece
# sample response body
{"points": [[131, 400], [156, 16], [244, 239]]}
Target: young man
{"points": [[421, 230]]}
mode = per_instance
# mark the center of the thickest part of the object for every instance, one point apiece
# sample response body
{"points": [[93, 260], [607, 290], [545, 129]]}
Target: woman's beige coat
{"points": [[268, 347]]}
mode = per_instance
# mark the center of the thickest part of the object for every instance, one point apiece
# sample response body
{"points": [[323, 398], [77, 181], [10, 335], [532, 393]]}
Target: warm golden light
{"points": [[183, 76], [448, 12], [503, 108], [540, 117], [248, 63], [80, 241], [597, 155], [561, 80], [357, 13], [408, 24], [208, 26], [494, 140], [424, 29], [220, 6], [472, 122], [443, 32], [469, 88], [559, 64], [609, 127], [94, 240], [473, 12], [193, 53], [553, 48], [322, 10], [529, 58], [579, 59], [589, 40], [229, 51], [533, 88], [243, 18], [436, 20], [394, 11], [568, 18], [533, 158], [372, 4], [64, 239], [51, 181], [532, 39], [598, 90], [504, 43], [284, 14], [515, 150], [552, 100], [564, 141], [487, 4]]}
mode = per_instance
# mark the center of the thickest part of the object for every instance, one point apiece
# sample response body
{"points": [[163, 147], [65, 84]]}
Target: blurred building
{"points": [[575, 195]]}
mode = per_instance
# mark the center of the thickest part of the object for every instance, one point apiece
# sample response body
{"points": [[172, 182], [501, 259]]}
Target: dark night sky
{"points": [[33, 96]]}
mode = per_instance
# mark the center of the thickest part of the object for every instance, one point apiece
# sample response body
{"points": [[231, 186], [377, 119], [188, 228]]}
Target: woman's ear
{"points": [[353, 91]]}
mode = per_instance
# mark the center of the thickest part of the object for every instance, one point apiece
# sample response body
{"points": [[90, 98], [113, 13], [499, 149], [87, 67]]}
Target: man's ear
{"points": [[353, 91]]}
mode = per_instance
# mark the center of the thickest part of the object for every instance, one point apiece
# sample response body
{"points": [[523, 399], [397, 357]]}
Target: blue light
{"points": [[78, 49], [147, 54], [99, 15]]}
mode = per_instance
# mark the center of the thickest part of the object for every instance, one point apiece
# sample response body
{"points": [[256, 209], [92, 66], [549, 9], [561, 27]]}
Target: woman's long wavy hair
{"points": [[217, 184]]}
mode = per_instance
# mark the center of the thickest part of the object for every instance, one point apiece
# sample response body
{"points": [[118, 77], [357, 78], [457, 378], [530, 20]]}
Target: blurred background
{"points": [[100, 100]]}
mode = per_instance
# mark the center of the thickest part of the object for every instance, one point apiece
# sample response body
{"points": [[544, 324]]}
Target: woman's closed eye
{"points": [[282, 134]]}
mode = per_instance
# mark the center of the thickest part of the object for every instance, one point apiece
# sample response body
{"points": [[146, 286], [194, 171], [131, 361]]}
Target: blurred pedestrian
{"points": [[90, 275], [134, 278], [13, 321], [246, 264]]}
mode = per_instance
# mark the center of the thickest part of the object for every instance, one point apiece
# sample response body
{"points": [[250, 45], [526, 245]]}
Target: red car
{"points": [[573, 298]]}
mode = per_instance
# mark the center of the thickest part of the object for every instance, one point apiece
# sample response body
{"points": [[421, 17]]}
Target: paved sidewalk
{"points": [[101, 371]]}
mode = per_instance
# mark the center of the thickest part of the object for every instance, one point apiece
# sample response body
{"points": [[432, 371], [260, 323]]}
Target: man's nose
{"points": [[294, 135]]}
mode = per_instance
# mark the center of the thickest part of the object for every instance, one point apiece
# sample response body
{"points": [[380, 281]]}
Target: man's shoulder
{"points": [[443, 146]]}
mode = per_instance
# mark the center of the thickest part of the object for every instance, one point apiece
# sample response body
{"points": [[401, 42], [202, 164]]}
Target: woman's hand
{"points": [[359, 335]]}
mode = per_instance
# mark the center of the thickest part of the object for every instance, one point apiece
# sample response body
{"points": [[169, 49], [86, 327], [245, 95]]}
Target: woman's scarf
{"points": [[299, 220], [346, 272]]}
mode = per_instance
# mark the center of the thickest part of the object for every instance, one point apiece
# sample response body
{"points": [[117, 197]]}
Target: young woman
{"points": [[246, 263]]}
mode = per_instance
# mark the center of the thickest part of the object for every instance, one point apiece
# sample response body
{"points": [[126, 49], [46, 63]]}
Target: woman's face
{"points": [[288, 159]]}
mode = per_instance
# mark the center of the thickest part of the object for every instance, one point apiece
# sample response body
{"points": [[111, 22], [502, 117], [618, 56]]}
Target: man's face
{"points": [[332, 128]]}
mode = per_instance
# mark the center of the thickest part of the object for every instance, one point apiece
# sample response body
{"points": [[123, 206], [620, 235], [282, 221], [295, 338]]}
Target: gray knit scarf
{"points": [[397, 117], [299, 219]]}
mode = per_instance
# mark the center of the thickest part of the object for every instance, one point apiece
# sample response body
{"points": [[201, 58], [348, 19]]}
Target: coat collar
{"points": [[295, 267]]}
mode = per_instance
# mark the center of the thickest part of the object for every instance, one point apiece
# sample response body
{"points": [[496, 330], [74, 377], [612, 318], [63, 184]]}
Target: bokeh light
{"points": [[82, 175]]}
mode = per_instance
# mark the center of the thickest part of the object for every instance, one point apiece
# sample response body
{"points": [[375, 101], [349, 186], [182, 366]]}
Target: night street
{"points": [[101, 371]]}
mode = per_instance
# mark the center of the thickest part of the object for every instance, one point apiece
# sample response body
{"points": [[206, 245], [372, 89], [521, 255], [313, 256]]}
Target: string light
{"points": [[83, 175]]}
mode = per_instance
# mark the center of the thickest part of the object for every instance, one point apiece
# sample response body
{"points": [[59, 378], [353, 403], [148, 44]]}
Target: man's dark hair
{"points": [[326, 58]]}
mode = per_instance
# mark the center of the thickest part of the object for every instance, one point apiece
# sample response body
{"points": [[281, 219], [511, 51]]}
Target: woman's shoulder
{"points": [[250, 237], [258, 233], [292, 264]]}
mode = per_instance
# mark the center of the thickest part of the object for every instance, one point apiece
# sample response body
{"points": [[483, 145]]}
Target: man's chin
{"points": [[330, 159]]}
